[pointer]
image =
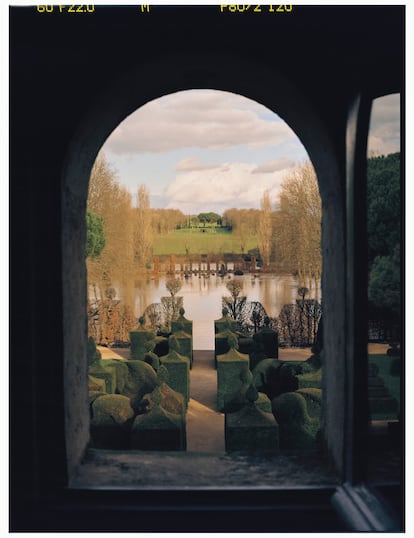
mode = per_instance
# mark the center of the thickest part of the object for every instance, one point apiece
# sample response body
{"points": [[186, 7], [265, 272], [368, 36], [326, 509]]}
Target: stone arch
{"points": [[117, 101]]}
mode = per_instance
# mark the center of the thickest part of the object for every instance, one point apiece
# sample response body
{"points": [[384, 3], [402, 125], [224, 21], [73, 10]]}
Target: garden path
{"points": [[205, 425]]}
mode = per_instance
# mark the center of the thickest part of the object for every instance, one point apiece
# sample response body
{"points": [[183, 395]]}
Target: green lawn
{"points": [[392, 382], [212, 241]]}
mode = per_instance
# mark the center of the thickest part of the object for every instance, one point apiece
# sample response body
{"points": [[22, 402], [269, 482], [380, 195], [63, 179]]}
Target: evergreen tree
{"points": [[95, 236], [384, 236]]}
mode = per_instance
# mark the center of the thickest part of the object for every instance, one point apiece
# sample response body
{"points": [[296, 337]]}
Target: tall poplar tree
{"points": [[265, 229], [143, 237], [110, 308], [298, 225]]}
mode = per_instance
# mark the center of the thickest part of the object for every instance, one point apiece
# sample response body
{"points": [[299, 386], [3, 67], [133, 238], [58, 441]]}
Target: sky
{"points": [[208, 150]]}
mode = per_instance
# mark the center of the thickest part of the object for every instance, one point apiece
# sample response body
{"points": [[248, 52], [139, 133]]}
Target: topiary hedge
{"points": [[297, 429]]}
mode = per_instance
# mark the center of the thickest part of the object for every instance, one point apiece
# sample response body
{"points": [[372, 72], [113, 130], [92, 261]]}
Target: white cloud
{"points": [[192, 163], [274, 166], [384, 132], [198, 118], [379, 146], [226, 185]]}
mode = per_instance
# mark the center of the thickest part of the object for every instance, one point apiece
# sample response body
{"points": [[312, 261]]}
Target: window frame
{"points": [[40, 496], [359, 504]]}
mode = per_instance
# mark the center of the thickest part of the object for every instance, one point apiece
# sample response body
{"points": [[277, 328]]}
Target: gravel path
{"points": [[205, 425]]}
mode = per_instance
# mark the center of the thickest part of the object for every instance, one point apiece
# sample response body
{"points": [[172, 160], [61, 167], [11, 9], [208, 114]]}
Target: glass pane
{"points": [[384, 302]]}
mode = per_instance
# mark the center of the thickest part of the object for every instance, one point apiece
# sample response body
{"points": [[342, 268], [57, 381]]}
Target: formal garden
{"points": [[140, 401], [141, 389]]}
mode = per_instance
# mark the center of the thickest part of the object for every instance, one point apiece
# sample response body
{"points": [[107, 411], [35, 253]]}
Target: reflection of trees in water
{"points": [[148, 291], [202, 297], [276, 292], [297, 322], [273, 291], [127, 289]]}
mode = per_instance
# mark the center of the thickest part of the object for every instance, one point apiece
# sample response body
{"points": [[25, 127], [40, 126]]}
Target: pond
{"points": [[202, 297]]}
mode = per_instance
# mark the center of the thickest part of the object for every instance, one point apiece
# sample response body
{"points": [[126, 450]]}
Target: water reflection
{"points": [[202, 294]]}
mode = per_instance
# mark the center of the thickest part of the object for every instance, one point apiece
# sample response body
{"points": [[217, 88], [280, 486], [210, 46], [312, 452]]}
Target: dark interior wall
{"points": [[73, 79]]}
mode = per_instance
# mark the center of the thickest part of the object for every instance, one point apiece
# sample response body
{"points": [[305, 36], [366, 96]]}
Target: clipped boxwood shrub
{"points": [[98, 369], [297, 430], [313, 399], [111, 421], [232, 375], [96, 384], [311, 380], [264, 371], [121, 370], [178, 367], [93, 354], [141, 379], [274, 377], [158, 429]]}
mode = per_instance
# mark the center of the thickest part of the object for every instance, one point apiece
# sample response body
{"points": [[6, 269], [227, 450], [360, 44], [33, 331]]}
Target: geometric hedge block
{"points": [[178, 367], [231, 367]]}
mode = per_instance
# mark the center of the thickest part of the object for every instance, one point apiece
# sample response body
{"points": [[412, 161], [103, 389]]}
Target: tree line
{"points": [[122, 231]]}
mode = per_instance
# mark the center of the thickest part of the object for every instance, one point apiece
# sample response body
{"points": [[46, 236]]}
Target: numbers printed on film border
{"points": [[146, 8], [256, 8], [81, 8], [70, 8]]}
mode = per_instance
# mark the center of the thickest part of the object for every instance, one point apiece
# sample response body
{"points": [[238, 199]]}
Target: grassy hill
{"points": [[195, 241]]}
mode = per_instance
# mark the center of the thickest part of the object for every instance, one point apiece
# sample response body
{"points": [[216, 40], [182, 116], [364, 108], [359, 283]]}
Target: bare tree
{"points": [[298, 225], [153, 313], [173, 285], [298, 323], [236, 303], [171, 305], [107, 318]]}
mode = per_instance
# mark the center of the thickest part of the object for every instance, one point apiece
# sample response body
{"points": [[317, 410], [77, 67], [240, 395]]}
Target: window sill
{"points": [[197, 470]]}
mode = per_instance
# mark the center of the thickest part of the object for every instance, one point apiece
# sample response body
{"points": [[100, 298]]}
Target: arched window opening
{"points": [[120, 107], [208, 201]]}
